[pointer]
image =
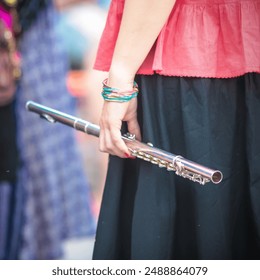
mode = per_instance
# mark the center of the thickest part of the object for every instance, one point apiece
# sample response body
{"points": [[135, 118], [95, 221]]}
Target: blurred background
{"points": [[80, 26], [51, 176]]}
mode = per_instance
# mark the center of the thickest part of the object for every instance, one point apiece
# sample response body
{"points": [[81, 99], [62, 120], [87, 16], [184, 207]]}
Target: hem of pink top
{"points": [[195, 74], [200, 75]]}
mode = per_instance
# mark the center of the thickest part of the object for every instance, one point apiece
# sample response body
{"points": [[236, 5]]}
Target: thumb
{"points": [[134, 128]]}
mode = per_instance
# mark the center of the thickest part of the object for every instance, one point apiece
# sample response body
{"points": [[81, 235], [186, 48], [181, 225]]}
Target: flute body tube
{"points": [[181, 166]]}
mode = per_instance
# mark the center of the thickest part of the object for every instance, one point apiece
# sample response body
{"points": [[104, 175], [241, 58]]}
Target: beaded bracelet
{"points": [[118, 95]]}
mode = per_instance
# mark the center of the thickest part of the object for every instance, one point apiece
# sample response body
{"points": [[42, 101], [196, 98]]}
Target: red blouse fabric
{"points": [[202, 38]]}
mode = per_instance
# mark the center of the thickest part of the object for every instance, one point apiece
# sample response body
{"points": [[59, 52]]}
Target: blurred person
{"points": [[56, 201], [59, 201], [197, 65], [10, 191]]}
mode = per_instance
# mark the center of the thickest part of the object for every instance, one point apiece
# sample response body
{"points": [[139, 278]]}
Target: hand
{"points": [[113, 113]]}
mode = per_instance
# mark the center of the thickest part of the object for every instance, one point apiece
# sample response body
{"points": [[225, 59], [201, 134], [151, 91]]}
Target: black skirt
{"points": [[150, 213]]}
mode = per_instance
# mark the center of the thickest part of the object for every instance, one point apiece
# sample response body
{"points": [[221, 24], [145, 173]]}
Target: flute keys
{"points": [[147, 157], [144, 156], [170, 167], [140, 155], [154, 160], [162, 163], [130, 136]]}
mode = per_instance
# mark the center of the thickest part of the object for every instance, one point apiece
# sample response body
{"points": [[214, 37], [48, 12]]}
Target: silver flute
{"points": [[181, 166]]}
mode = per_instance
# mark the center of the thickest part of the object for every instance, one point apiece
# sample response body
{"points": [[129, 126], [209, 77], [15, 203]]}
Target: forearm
{"points": [[141, 24]]}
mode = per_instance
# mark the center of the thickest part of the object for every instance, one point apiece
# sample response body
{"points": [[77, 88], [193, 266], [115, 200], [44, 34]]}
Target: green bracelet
{"points": [[118, 95]]}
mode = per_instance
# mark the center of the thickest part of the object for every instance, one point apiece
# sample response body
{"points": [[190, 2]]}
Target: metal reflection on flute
{"points": [[181, 166]]}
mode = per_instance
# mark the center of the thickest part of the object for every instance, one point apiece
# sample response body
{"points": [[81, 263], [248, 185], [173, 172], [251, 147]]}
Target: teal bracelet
{"points": [[117, 95]]}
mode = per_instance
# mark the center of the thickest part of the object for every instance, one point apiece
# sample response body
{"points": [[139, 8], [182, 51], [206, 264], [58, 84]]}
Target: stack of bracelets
{"points": [[117, 95]]}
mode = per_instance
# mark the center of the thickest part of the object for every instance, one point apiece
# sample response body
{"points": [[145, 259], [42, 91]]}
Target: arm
{"points": [[141, 24]]}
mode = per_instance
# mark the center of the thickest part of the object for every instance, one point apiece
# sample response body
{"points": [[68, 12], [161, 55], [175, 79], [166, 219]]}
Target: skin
{"points": [[141, 24]]}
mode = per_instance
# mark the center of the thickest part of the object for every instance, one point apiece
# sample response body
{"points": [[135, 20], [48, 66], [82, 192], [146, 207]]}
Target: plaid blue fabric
{"points": [[57, 193]]}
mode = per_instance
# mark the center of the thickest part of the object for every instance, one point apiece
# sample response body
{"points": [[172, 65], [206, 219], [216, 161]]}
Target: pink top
{"points": [[202, 38]]}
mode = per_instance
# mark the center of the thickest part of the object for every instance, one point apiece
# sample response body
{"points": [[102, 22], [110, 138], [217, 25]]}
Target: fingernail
{"points": [[129, 156]]}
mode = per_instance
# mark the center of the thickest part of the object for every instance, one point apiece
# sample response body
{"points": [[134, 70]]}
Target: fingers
{"points": [[110, 127], [110, 137], [112, 143]]}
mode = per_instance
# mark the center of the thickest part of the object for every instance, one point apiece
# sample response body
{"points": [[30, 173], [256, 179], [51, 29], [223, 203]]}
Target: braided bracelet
{"points": [[118, 95]]}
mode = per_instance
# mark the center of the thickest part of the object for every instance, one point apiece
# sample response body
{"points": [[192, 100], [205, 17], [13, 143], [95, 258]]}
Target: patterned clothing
{"points": [[57, 194]]}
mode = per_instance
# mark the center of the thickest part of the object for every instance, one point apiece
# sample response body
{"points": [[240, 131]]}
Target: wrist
{"points": [[119, 94], [120, 76]]}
